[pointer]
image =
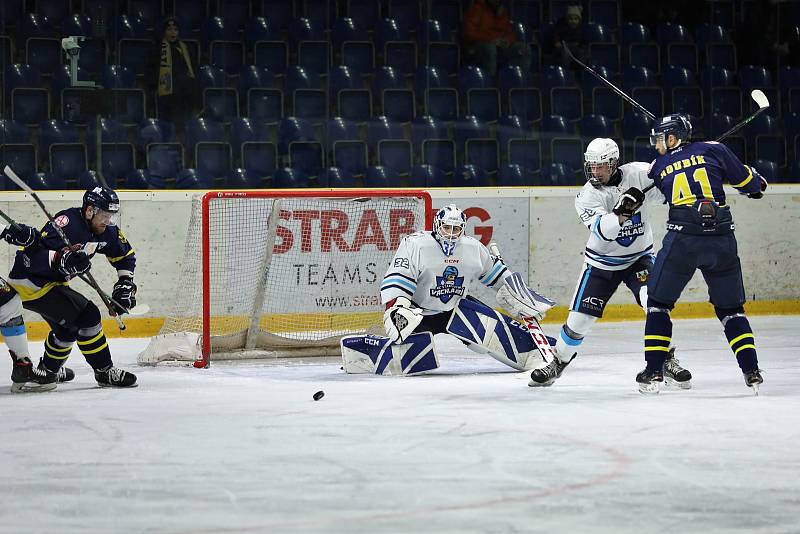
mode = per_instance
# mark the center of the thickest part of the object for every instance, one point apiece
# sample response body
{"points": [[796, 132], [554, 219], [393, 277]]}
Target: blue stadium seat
{"points": [[469, 127], [227, 55], [20, 75], [164, 160], [754, 76], [597, 33], [340, 129], [213, 160], [637, 76], [508, 127], [556, 126], [682, 55], [556, 174], [273, 55], [511, 175], [192, 12], [154, 131], [771, 148], [137, 179], [258, 29], [21, 157], [33, 25], [399, 105], [791, 124], [388, 29], [426, 127], [512, 76], [726, 101], [484, 154], [359, 56], [426, 176], [672, 33], [221, 103], [738, 145], [605, 12], [386, 78], [645, 55], [315, 56], [635, 125], [129, 27], [470, 176], [254, 76], [380, 128], [336, 177], [707, 33], [396, 155], [307, 156], [606, 102], [380, 176], [55, 131], [10, 12], [117, 160], [303, 29], [427, 77], [118, 77], [715, 76], [237, 12], [350, 155], [134, 53], [260, 158], [344, 29], [265, 104], [763, 125], [30, 105], [405, 12], [203, 130], [239, 178], [111, 131], [342, 77], [292, 129], [634, 32], [149, 11], [43, 53], [588, 81], [569, 151], [440, 154], [555, 76], [442, 103], [279, 12], [678, 77], [688, 100], [605, 54], [526, 103], [484, 103], [642, 151], [592, 126], [567, 102], [529, 12], [471, 76], [311, 104], [789, 83], [722, 55], [434, 29], [365, 13], [89, 179], [401, 56], [13, 132], [185, 179], [355, 104], [767, 169], [652, 98], [444, 56]]}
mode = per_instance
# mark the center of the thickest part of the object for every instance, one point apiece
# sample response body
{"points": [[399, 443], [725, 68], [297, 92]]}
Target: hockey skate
{"points": [[114, 377], [25, 378], [650, 381], [674, 374], [753, 379], [545, 376]]}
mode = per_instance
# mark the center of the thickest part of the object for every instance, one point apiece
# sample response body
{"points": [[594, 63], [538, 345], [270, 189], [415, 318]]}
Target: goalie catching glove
{"points": [[125, 294], [521, 301], [629, 202], [400, 319]]}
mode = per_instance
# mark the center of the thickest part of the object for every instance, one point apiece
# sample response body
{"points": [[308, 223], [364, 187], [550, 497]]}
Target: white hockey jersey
{"points": [[610, 246], [435, 282]]}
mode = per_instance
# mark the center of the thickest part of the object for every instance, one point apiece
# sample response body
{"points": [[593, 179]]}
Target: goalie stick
{"points": [[87, 276], [532, 324]]}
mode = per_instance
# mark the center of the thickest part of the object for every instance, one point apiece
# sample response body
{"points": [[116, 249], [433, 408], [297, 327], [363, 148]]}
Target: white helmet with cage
{"points": [[449, 224], [601, 151]]}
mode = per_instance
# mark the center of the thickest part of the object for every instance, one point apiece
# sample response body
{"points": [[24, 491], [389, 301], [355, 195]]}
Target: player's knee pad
{"points": [[10, 307], [378, 355], [726, 314], [503, 338]]}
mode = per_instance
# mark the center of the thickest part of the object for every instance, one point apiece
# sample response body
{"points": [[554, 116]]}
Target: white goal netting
{"points": [[280, 274]]}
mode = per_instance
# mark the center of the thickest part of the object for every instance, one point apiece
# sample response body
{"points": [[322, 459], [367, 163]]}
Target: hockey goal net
{"points": [[283, 273]]}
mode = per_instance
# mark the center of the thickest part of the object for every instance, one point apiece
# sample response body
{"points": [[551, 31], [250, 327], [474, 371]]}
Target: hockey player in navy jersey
{"points": [[426, 291], [41, 275], [619, 250], [700, 235]]}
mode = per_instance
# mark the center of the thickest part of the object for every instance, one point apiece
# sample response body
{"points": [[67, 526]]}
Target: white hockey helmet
{"points": [[601, 151], [449, 224]]}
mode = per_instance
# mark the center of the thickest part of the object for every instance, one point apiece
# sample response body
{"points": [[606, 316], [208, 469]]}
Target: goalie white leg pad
{"points": [[505, 339], [377, 355]]}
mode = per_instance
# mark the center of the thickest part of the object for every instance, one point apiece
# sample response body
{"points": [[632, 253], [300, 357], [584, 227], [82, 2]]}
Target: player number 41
{"points": [[681, 189]]}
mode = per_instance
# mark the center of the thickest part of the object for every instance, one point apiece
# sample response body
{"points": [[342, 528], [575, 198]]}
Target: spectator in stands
{"points": [[569, 29], [489, 37], [178, 94]]}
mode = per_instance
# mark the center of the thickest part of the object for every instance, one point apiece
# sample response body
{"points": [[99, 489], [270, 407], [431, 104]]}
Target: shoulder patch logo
{"points": [[61, 221]]}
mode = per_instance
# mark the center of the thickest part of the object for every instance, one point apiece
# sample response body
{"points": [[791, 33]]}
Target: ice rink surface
{"points": [[242, 447]]}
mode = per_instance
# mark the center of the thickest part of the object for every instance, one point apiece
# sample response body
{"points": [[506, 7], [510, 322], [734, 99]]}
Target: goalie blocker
{"points": [[481, 328]]}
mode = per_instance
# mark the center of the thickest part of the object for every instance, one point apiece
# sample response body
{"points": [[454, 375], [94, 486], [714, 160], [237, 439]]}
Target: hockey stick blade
{"points": [[16, 179], [139, 309], [760, 98]]}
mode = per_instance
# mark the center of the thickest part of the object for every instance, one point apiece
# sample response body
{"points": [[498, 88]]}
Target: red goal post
{"points": [[275, 273]]}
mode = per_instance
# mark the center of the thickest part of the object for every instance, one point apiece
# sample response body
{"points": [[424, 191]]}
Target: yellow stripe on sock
{"points": [[48, 345], [90, 341], [657, 338], [737, 351], [662, 349], [733, 341], [93, 351]]}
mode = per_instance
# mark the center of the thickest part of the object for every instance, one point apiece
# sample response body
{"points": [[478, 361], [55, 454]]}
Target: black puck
{"points": [[318, 395]]}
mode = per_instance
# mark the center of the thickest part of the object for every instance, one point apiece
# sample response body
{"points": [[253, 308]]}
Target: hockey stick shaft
{"points": [[763, 105], [87, 276], [606, 81]]}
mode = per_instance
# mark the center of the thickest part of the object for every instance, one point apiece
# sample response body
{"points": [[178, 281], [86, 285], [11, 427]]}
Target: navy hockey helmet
{"points": [[449, 224], [105, 203], [675, 124]]}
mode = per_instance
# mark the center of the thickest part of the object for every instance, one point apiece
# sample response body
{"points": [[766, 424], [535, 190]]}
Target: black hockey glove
{"points": [[73, 262], [20, 235], [629, 202], [762, 182], [124, 293]]}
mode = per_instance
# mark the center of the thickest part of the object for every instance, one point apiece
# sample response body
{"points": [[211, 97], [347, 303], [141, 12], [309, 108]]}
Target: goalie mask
{"points": [[600, 161], [448, 227]]}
